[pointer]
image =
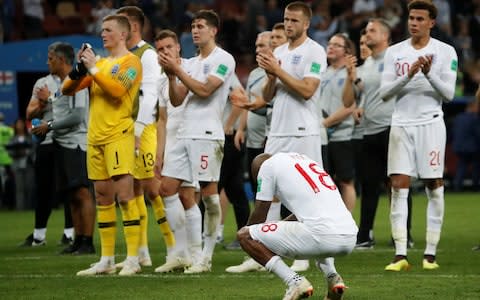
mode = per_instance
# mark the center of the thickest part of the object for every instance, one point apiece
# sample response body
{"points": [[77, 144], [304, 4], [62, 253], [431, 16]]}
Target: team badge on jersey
{"points": [[315, 68], [222, 69], [131, 73], [340, 81], [380, 68], [454, 65], [115, 69], [296, 59]]}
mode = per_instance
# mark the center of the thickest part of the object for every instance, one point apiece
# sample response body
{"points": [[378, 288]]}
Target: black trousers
{"points": [[45, 186], [231, 179], [373, 179]]}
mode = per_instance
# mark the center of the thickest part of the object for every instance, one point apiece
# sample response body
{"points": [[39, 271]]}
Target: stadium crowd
{"points": [[134, 120]]}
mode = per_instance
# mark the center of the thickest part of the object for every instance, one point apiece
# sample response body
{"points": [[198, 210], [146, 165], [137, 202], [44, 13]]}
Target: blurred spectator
{"points": [[474, 27], [463, 41], [7, 13], [392, 13], [323, 26], [20, 149], [33, 19], [272, 13], [103, 9], [364, 7], [189, 50], [6, 175], [443, 20], [466, 145]]}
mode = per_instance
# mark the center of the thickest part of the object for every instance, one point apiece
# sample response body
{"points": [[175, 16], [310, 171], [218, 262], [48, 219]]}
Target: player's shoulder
{"points": [[399, 46], [223, 55], [442, 46], [280, 49], [255, 73], [313, 45]]}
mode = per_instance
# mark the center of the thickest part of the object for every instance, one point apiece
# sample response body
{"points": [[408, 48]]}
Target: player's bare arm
{"points": [[161, 133], [38, 102], [348, 90], [239, 138], [338, 116], [201, 89], [259, 213]]}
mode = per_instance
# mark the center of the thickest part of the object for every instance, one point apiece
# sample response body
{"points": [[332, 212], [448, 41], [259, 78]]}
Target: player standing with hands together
{"points": [[421, 73]]}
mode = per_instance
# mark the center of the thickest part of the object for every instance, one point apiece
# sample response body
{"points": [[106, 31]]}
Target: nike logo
{"points": [[400, 58], [116, 167]]}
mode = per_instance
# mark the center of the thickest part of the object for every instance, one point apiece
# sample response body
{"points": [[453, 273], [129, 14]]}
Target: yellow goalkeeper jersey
{"points": [[113, 90]]}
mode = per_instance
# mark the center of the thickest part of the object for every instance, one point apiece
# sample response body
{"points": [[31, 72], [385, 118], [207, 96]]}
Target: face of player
{"points": [[277, 38], [168, 46], [374, 34], [202, 33], [111, 34], [336, 49], [262, 44], [364, 50], [53, 62], [419, 23], [296, 24]]}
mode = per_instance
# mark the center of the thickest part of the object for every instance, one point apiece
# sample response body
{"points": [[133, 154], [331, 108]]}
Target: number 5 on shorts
{"points": [[204, 162]]}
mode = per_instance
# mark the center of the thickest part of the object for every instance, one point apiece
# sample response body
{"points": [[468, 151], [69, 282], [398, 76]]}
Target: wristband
{"points": [[93, 70]]}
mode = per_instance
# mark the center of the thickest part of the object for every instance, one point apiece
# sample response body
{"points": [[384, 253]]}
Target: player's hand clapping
{"points": [[168, 62], [351, 65], [87, 57], [267, 61]]}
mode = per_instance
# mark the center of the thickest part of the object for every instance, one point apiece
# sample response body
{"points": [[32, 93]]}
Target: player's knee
{"points": [[433, 184], [400, 181], [243, 234]]}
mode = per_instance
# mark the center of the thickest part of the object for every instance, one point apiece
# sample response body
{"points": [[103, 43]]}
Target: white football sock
{"points": [[326, 265], [68, 232], [193, 218], [277, 266], [212, 220], [398, 220], [435, 210], [176, 218], [39, 233]]}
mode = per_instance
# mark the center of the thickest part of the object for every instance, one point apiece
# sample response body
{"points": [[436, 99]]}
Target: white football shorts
{"points": [[194, 160], [294, 240], [417, 151]]}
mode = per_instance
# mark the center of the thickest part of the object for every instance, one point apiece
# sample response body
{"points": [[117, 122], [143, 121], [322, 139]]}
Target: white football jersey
{"points": [[419, 100], [202, 118], [174, 113], [149, 93], [306, 190], [307, 60]]}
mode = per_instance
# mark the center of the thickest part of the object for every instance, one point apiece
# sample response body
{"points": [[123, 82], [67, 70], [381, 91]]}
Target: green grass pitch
{"points": [[40, 273]]}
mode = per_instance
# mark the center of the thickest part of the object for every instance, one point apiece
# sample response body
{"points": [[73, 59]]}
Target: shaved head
{"points": [[257, 163]]}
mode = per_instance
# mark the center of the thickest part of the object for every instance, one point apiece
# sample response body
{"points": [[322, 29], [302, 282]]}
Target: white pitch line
{"points": [[222, 276]]}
